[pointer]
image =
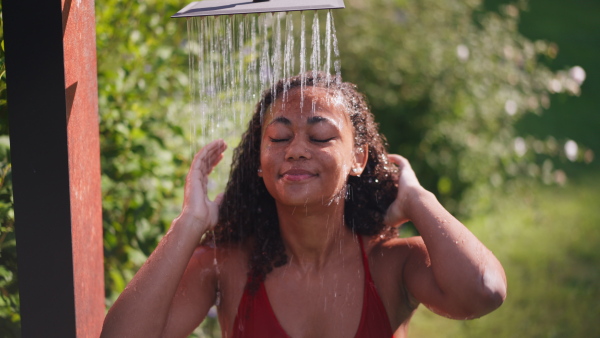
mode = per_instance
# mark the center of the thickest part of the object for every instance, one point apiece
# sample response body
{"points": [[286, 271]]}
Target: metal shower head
{"points": [[229, 7]]}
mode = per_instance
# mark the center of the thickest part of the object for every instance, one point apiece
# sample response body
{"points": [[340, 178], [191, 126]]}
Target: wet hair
{"points": [[248, 214]]}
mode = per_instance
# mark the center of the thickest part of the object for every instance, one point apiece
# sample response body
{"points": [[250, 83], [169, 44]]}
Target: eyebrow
{"points": [[282, 120], [311, 120], [316, 119]]}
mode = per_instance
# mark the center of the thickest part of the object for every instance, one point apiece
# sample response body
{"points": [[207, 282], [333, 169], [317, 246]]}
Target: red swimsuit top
{"points": [[255, 317]]}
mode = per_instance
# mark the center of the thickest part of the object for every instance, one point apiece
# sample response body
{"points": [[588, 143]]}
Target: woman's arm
{"points": [[159, 294], [449, 270]]}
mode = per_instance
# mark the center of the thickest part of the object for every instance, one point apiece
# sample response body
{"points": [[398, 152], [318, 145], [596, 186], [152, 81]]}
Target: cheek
{"points": [[264, 159], [268, 156], [340, 161]]}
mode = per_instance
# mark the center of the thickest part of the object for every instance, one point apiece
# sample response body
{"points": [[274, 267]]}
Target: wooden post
{"points": [[53, 120]]}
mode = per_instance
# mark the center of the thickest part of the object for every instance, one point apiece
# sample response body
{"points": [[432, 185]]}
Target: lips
{"points": [[297, 175]]}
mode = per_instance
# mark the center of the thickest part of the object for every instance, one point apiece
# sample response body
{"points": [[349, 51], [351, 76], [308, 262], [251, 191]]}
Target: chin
{"points": [[306, 198]]}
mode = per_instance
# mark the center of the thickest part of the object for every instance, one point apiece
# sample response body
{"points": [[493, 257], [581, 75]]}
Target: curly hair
{"points": [[248, 210]]}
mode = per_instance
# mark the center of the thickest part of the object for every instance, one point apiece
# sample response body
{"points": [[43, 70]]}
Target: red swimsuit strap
{"points": [[364, 259], [374, 321]]}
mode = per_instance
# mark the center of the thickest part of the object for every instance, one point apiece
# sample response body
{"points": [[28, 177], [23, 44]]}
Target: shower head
{"points": [[229, 7]]}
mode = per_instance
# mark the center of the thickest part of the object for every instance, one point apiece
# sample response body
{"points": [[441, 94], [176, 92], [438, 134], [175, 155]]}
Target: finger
{"points": [[209, 156], [215, 153], [214, 146], [210, 161], [399, 160]]}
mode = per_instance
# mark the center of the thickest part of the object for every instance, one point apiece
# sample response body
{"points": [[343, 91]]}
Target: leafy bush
{"points": [[448, 81], [142, 80]]}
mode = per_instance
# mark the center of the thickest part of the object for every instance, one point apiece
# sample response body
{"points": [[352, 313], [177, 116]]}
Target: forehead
{"points": [[303, 104]]}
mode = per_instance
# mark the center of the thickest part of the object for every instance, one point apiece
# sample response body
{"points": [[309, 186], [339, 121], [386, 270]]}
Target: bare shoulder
{"points": [[395, 249], [232, 256], [389, 256], [216, 261]]}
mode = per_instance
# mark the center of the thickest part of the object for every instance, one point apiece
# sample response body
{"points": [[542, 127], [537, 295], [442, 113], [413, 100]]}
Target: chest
{"points": [[330, 303], [327, 305]]}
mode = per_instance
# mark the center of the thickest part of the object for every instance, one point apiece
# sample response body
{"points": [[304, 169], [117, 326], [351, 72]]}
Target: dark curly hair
{"points": [[248, 210]]}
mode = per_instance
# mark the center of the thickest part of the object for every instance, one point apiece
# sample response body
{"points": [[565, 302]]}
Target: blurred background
{"points": [[493, 102]]}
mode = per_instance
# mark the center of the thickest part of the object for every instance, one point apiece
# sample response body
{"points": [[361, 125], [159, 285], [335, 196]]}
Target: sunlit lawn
{"points": [[548, 240]]}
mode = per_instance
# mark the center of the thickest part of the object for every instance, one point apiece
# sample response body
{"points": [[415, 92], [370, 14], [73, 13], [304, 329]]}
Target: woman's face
{"points": [[307, 153]]}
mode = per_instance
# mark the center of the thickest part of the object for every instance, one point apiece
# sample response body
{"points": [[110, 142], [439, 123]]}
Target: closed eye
{"points": [[276, 140], [322, 140]]}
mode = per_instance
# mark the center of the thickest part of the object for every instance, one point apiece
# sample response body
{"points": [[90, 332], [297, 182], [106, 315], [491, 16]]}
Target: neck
{"points": [[313, 236]]}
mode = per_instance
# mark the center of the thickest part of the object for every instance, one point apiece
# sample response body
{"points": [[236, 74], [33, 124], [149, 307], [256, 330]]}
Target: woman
{"points": [[302, 242]]}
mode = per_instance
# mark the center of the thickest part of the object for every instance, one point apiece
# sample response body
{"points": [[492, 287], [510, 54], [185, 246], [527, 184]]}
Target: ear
{"points": [[259, 172], [361, 156]]}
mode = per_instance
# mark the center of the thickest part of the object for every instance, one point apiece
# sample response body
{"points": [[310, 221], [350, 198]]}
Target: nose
{"points": [[298, 149]]}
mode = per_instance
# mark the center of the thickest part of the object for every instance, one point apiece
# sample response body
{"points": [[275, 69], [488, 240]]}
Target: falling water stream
{"points": [[232, 59]]}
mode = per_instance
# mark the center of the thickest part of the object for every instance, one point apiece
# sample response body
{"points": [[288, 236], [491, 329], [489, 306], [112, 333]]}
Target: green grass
{"points": [[548, 240]]}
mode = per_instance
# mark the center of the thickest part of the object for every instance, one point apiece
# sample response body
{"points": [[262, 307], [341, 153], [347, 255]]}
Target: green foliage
{"points": [[10, 321], [448, 81], [547, 239], [143, 100]]}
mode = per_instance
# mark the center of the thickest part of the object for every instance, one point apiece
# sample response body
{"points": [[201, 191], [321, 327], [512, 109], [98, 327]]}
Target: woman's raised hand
{"points": [[455, 280], [408, 184], [196, 203], [144, 307]]}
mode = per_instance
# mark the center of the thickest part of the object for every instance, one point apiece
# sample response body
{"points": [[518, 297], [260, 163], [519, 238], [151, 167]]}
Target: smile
{"points": [[298, 175]]}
